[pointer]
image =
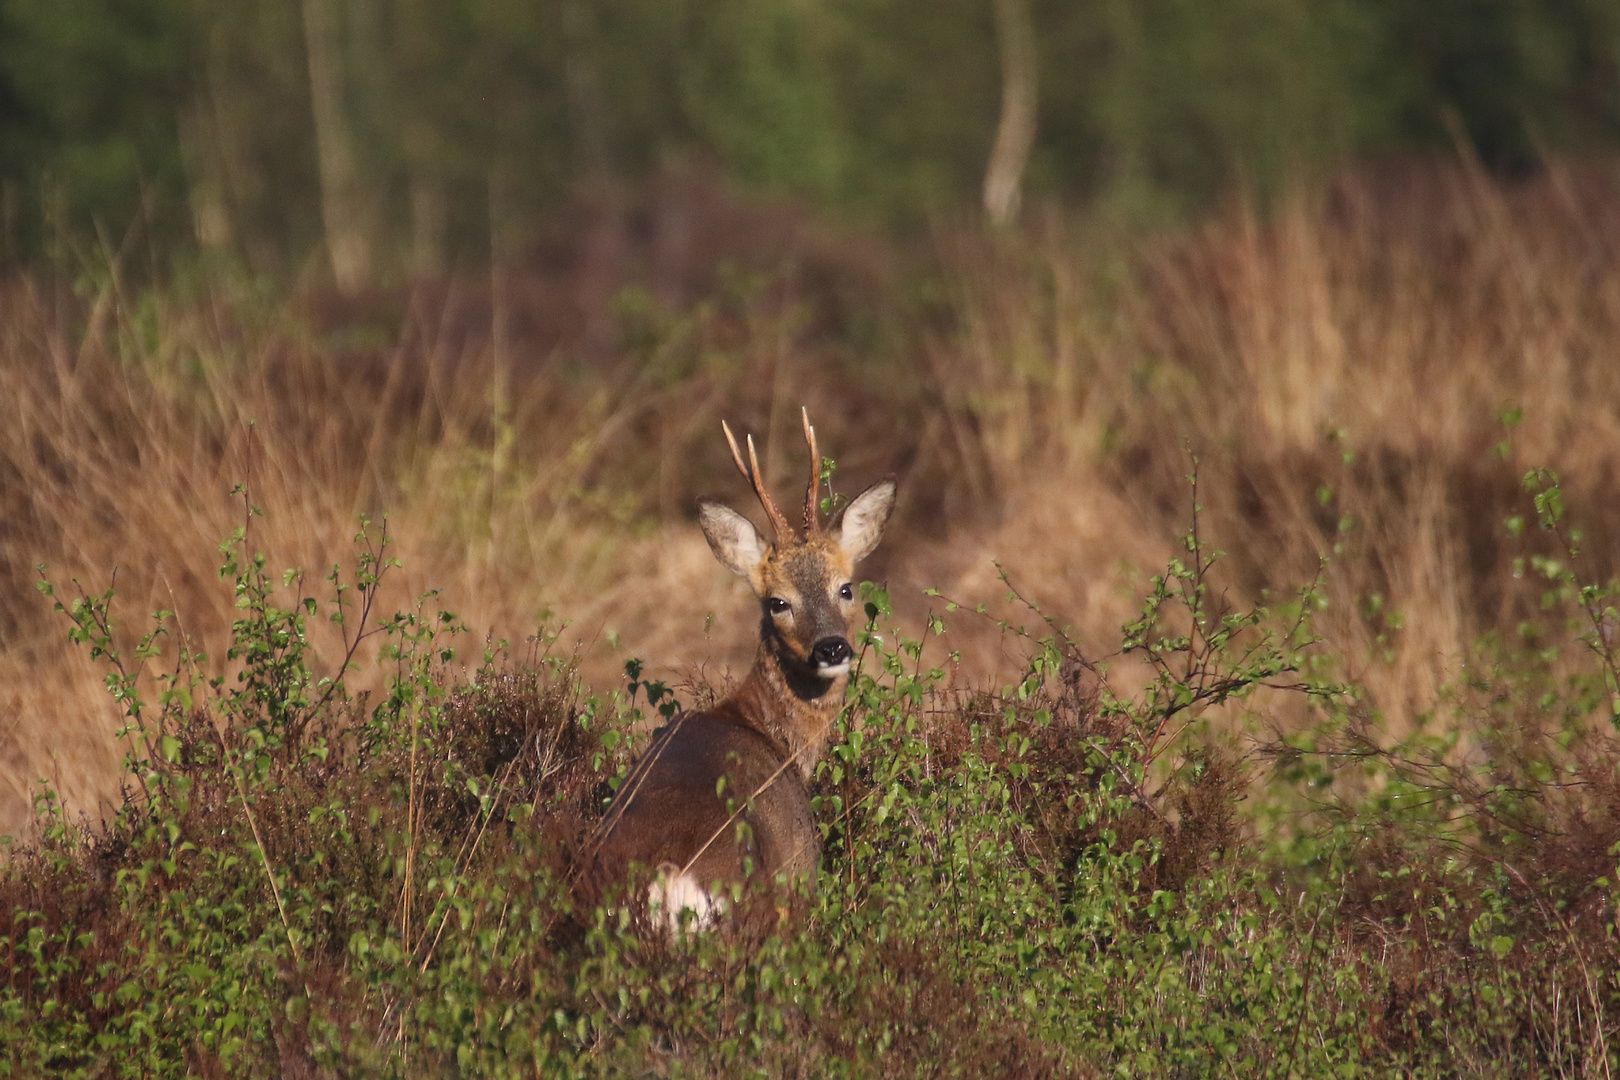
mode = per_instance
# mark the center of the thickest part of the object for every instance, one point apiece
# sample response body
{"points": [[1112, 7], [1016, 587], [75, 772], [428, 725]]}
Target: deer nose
{"points": [[831, 651]]}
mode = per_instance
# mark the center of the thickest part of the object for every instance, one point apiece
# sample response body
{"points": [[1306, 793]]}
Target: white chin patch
{"points": [[832, 671], [677, 902]]}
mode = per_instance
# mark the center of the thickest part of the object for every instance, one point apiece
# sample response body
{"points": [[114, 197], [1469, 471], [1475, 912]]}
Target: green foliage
{"points": [[1492, 836], [93, 91], [1049, 879], [1503, 74], [181, 117]]}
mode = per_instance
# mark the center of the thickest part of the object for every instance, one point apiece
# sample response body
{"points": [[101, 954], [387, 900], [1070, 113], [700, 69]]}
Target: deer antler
{"points": [[812, 517], [750, 471]]}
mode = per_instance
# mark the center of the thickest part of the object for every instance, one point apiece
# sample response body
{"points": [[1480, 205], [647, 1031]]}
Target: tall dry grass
{"points": [[1367, 372], [1341, 365]]}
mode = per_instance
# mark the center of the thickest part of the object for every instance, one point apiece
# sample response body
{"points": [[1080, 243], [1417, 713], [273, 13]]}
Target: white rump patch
{"points": [[673, 895]]}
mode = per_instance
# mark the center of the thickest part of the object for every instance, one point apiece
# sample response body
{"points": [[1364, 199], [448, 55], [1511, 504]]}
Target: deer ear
{"points": [[732, 538], [860, 526]]}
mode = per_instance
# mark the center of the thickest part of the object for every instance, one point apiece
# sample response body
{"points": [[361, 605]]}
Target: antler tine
{"points": [[751, 473], [779, 521], [736, 454], [812, 518]]}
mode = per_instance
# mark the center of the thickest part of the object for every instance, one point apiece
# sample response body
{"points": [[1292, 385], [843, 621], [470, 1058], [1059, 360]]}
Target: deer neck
{"points": [[792, 707]]}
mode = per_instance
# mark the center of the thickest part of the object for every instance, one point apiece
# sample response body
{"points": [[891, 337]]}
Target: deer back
{"points": [[711, 797]]}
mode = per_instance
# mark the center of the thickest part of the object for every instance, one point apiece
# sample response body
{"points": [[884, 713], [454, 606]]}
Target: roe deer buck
{"points": [[746, 761]]}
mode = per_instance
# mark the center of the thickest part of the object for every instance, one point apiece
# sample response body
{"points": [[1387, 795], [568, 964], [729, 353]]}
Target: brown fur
{"points": [[721, 793]]}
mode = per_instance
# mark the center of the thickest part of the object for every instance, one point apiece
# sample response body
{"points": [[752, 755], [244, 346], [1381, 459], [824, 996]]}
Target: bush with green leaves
{"points": [[1049, 879]]}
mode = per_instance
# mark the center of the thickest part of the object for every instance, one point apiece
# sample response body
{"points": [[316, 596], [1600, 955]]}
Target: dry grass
{"points": [[1342, 361], [1343, 366]]}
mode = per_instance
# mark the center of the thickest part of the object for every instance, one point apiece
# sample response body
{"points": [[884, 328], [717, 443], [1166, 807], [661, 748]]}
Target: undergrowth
{"points": [[1049, 879]]}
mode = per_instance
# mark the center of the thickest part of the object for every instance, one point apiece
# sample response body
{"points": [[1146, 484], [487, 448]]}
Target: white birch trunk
{"points": [[1015, 134], [345, 213]]}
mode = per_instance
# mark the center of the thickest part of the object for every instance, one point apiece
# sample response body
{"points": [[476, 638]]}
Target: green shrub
{"points": [[1045, 880]]}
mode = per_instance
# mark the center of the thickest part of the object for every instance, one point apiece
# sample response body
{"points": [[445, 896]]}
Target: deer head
{"points": [[804, 581]]}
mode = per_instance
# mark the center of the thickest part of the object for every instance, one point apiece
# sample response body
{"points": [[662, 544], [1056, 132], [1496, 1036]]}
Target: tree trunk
{"points": [[430, 228], [345, 212], [1015, 134], [199, 150]]}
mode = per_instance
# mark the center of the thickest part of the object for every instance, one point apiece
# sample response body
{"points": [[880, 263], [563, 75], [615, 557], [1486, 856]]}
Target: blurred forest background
{"points": [[496, 270], [396, 129]]}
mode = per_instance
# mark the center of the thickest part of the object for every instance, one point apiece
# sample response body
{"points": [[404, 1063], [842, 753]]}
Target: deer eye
{"points": [[845, 592], [778, 605]]}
